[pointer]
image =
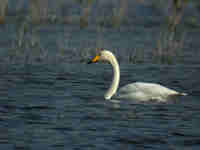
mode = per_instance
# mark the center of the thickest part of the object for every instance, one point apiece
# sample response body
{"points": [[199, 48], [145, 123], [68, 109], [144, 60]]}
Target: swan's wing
{"points": [[145, 91], [146, 88], [129, 88]]}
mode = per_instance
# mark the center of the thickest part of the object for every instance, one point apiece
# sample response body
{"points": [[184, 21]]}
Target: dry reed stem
{"points": [[167, 48], [177, 10], [123, 7], [3, 10], [85, 15], [117, 19], [39, 10]]}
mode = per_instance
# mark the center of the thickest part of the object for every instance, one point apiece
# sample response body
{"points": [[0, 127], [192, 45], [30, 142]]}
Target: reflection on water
{"points": [[63, 107]]}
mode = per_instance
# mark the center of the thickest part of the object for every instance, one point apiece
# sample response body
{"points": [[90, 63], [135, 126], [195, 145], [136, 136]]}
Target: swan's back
{"points": [[145, 91]]}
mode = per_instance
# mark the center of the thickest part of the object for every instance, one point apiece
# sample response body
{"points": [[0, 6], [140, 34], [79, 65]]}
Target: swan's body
{"points": [[138, 90]]}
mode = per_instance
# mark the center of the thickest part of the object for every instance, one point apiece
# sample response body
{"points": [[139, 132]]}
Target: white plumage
{"points": [[137, 91], [145, 91]]}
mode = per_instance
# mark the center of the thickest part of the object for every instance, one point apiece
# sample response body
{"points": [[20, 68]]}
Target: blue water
{"points": [[63, 108]]}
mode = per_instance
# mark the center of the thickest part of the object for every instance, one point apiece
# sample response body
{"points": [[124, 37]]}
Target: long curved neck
{"points": [[116, 77]]}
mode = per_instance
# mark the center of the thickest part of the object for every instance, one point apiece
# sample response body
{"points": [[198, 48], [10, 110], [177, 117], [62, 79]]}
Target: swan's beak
{"points": [[94, 60]]}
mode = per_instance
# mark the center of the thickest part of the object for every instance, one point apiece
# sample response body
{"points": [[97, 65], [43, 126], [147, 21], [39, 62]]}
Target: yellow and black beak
{"points": [[94, 60]]}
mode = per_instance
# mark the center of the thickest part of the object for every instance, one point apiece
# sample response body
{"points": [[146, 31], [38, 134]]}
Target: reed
{"points": [[123, 8], [3, 10], [168, 48], [84, 18], [171, 41], [136, 56], [176, 12], [38, 10], [119, 15]]}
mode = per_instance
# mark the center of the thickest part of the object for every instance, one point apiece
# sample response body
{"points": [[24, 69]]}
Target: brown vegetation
{"points": [[39, 10], [177, 9], [168, 45], [85, 14], [168, 49], [3, 10]]}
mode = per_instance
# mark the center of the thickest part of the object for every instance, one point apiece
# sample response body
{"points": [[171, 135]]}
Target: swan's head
{"points": [[103, 55]]}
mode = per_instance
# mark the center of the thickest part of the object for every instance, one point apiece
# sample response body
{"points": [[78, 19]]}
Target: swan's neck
{"points": [[116, 77]]}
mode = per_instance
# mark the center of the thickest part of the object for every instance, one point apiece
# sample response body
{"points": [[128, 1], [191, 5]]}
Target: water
{"points": [[62, 107]]}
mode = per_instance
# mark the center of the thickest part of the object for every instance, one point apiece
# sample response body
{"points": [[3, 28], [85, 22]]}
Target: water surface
{"points": [[62, 107]]}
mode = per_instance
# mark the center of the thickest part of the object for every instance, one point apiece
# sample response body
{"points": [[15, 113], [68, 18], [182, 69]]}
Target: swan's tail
{"points": [[175, 93], [182, 94]]}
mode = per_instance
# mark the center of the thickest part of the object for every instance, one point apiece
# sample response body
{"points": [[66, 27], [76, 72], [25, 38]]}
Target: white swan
{"points": [[138, 90]]}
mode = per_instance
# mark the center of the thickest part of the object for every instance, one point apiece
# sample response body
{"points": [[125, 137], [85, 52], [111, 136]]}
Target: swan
{"points": [[139, 90]]}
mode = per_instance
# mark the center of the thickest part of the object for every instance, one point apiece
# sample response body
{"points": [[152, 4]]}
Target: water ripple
{"points": [[58, 108]]}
